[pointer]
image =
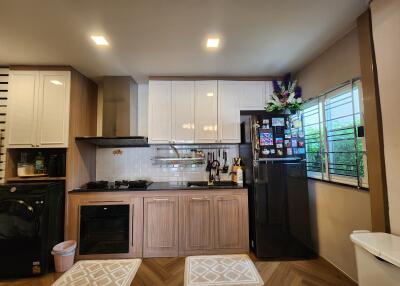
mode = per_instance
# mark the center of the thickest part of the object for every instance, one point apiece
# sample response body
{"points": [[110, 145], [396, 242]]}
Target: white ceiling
{"points": [[166, 37]]}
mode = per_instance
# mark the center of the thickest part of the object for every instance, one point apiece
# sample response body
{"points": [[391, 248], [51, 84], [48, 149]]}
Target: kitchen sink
{"points": [[196, 184]]}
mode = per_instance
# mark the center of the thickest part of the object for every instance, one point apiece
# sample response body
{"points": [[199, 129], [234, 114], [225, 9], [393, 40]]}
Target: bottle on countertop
{"points": [[39, 163], [239, 176]]}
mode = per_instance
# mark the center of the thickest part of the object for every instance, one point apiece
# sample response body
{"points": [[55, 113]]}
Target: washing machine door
{"points": [[17, 220], [20, 240]]}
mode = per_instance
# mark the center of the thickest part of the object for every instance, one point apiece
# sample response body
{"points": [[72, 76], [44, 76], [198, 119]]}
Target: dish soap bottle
{"points": [[39, 163], [239, 176]]}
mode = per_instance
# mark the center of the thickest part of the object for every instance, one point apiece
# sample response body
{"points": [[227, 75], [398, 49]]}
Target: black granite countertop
{"points": [[158, 186], [169, 186]]}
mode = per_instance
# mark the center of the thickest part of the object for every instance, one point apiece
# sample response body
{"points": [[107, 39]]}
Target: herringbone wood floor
{"points": [[169, 272]]}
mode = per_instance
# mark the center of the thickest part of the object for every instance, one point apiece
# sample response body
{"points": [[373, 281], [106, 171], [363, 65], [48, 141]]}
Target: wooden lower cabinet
{"points": [[231, 223], [196, 223], [213, 224], [160, 226], [173, 223]]}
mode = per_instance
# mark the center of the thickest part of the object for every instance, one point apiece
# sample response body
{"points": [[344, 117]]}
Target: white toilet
{"points": [[378, 258]]}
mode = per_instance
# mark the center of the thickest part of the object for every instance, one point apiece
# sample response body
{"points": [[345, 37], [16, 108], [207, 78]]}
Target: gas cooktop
{"points": [[121, 185]]}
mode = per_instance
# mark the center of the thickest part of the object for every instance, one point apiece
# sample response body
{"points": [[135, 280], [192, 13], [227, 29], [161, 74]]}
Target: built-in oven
{"points": [[104, 229]]}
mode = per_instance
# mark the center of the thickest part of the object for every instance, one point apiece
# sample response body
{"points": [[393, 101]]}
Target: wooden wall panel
{"points": [[81, 157], [373, 127]]}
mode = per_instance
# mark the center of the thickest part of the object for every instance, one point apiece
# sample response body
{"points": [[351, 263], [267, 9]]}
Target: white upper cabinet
{"points": [[183, 112], [22, 103], [38, 110], [202, 111], [268, 90], [160, 119], [206, 111], [53, 111], [253, 95], [229, 93]]}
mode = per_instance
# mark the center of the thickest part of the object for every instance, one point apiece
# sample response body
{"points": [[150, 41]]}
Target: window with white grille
{"points": [[334, 136]]}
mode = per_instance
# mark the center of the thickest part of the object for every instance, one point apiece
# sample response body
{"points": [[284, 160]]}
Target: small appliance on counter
{"points": [[56, 165], [25, 169]]}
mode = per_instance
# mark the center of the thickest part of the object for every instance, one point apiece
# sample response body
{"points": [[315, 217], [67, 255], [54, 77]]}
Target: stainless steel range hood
{"points": [[118, 97]]}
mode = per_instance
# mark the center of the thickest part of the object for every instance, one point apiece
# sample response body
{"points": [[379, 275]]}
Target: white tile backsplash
{"points": [[136, 163]]}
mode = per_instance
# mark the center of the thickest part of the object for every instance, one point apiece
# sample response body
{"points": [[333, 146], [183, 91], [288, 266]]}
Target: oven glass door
{"points": [[104, 229]]}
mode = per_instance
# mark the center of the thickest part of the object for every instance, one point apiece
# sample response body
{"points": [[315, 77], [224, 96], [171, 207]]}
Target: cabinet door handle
{"points": [[161, 199], [226, 199], [133, 225], [199, 199], [97, 202]]}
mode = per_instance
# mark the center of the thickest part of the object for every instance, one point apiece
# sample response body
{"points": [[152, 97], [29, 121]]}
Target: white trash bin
{"points": [[64, 254], [378, 258]]}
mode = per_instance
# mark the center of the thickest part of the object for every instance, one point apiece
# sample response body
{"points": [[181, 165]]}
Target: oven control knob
{"points": [[13, 189]]}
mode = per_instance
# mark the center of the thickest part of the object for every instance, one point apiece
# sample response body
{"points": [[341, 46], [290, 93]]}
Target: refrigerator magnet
{"points": [[279, 145], [279, 140], [280, 152], [265, 134], [301, 151], [287, 143], [278, 121], [297, 123], [300, 143], [294, 143], [265, 121], [272, 151], [288, 136], [265, 151], [289, 151], [301, 134], [280, 130]]}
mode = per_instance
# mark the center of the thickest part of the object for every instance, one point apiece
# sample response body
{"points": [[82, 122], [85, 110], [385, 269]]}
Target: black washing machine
{"points": [[31, 223]]}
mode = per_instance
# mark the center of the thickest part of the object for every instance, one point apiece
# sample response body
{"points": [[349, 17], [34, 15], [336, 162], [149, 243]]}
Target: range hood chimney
{"points": [[120, 106], [119, 114]]}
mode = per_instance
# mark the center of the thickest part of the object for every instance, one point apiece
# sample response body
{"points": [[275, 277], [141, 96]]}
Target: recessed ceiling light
{"points": [[212, 42], [210, 94], [56, 82], [100, 40]]}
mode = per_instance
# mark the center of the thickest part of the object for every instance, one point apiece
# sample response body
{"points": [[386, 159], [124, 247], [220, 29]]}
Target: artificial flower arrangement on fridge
{"points": [[286, 96]]}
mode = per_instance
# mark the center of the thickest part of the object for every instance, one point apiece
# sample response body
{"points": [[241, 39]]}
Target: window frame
{"points": [[321, 101]]}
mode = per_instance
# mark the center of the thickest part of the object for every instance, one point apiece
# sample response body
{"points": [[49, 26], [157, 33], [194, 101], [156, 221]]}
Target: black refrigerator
{"points": [[273, 154]]}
